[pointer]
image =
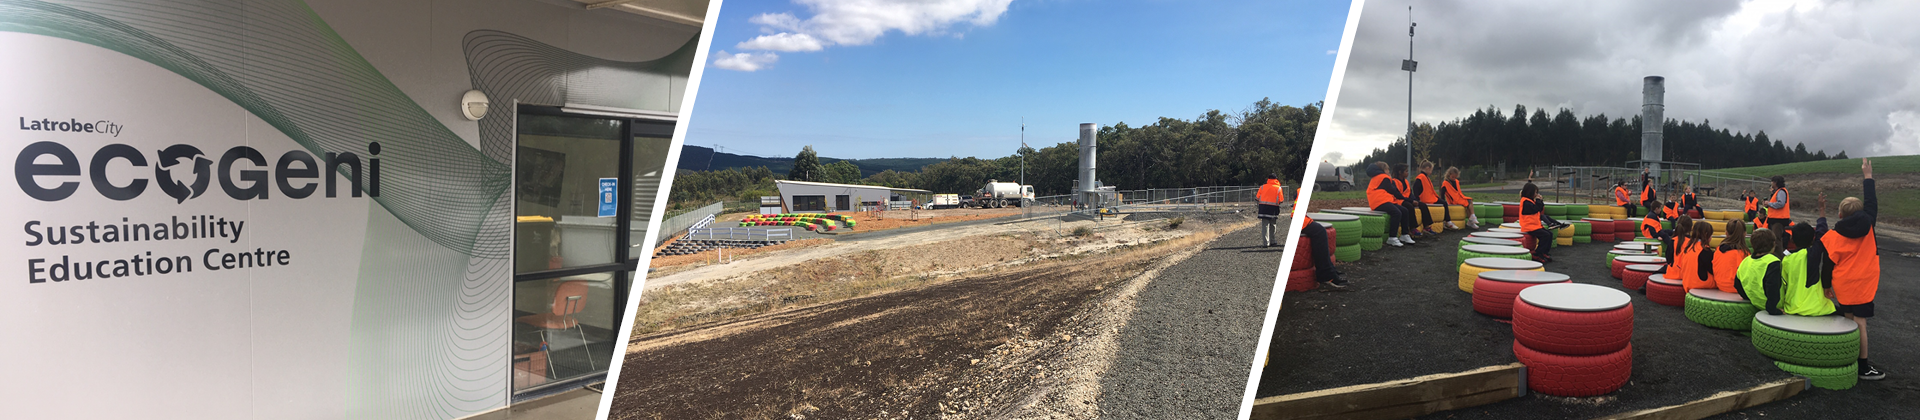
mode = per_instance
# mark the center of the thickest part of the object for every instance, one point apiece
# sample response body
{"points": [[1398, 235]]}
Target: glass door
{"points": [[583, 192]]}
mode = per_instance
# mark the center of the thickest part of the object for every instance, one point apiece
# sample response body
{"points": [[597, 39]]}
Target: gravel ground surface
{"points": [[1186, 350], [1404, 317]]}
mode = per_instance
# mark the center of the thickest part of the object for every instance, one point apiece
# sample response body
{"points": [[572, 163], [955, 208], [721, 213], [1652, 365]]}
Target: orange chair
{"points": [[568, 299]]}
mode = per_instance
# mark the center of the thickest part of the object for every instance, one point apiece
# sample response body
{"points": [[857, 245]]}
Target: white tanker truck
{"points": [[1002, 194]]}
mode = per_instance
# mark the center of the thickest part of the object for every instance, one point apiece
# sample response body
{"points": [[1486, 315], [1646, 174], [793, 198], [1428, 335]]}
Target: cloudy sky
{"points": [[1835, 75], [940, 78]]}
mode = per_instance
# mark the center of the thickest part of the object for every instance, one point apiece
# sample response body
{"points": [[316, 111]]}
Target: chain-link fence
{"points": [[1593, 184]]}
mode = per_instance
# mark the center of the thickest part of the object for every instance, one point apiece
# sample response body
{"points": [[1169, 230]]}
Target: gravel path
{"points": [[1185, 352]]}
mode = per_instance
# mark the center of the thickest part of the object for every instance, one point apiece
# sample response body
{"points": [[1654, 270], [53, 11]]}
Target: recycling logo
{"points": [[176, 160]]}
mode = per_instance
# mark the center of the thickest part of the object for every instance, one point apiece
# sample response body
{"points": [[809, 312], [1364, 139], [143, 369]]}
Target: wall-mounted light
{"points": [[473, 105]]}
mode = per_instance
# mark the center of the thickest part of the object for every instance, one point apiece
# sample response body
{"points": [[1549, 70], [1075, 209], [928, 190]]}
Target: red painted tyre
{"points": [[1694, 214], [1302, 280], [1666, 294], [1571, 333], [1575, 376], [1624, 230], [1618, 268], [1495, 298], [1332, 245], [1302, 255], [1634, 280], [1510, 210], [1527, 241], [1509, 219], [1602, 237]]}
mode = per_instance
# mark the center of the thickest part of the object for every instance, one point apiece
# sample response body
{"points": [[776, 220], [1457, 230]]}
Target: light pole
{"points": [[1410, 66]]}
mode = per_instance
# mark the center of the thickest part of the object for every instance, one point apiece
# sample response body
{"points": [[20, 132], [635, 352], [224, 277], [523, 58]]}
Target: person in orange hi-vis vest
{"points": [[1647, 193], [1779, 206], [1385, 195], [1534, 222], [1751, 204], [1726, 260], [1417, 226], [1270, 196], [1699, 272], [1454, 196], [1624, 199], [1852, 261], [1424, 195]]}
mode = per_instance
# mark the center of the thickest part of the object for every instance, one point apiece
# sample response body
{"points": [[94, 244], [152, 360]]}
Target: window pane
{"points": [[561, 162], [649, 167]]}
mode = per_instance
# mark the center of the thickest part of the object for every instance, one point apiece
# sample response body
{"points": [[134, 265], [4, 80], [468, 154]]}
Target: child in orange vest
{"points": [[1851, 256], [1726, 260]]}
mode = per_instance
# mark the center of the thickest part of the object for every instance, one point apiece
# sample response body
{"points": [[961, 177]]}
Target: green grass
{"points": [[1884, 165]]}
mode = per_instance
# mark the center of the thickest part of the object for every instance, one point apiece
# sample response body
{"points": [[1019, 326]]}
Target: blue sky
{"points": [[853, 82]]}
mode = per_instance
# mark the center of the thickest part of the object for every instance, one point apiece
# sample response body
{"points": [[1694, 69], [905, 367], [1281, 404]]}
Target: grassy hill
{"points": [[699, 158], [1884, 165]]}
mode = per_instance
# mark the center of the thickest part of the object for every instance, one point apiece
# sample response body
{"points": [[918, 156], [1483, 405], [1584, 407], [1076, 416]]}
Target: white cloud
{"points": [[771, 22], [745, 61], [860, 22], [1836, 75], [784, 41], [1332, 52]]}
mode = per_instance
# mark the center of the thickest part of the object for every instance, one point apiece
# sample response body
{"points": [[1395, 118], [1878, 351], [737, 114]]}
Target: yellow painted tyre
{"points": [[1563, 241], [1437, 226], [1717, 239], [1459, 214], [1469, 272], [1566, 233]]}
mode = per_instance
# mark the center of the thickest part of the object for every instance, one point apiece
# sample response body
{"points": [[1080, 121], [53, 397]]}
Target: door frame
{"points": [[624, 264]]}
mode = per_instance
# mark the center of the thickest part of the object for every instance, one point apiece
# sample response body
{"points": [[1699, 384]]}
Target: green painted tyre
{"points": [[1577, 211], [1835, 378], [1557, 210], [1815, 350], [1484, 212], [1582, 229], [1372, 243], [1374, 225], [1343, 228], [1723, 315], [1348, 253], [1582, 239]]}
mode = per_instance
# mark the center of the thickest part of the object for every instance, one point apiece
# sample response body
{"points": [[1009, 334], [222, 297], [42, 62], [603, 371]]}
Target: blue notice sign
{"points": [[608, 187]]}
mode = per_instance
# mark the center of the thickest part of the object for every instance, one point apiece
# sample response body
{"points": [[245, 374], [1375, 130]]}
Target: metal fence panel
{"points": [[676, 224]]}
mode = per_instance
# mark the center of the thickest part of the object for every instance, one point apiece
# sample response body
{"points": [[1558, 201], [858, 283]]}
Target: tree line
{"points": [[1489, 137], [1214, 149]]}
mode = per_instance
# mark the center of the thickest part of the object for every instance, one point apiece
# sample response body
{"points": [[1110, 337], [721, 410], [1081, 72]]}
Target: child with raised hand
{"points": [[1853, 258]]}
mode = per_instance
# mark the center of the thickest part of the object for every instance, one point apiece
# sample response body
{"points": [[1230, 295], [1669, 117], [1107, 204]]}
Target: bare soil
{"points": [[893, 337]]}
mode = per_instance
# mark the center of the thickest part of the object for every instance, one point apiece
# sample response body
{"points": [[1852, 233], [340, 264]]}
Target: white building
{"points": [[824, 197]]}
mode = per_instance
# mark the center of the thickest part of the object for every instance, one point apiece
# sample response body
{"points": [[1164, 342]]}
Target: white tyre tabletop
{"points": [[1575, 297], [1504, 263], [1819, 325]]}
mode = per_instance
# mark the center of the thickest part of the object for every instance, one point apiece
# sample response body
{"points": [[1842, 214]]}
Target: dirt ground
{"points": [[1404, 317], [933, 334]]}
